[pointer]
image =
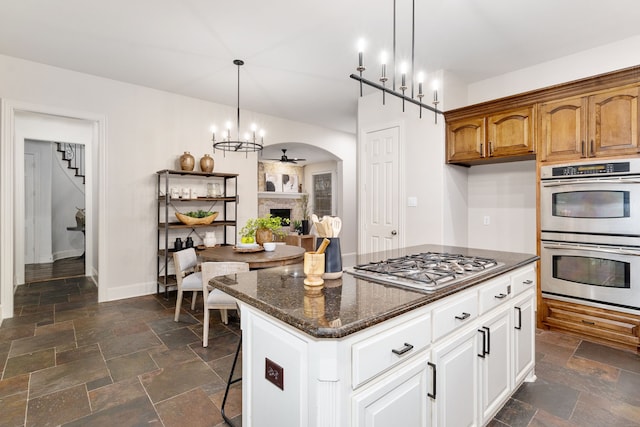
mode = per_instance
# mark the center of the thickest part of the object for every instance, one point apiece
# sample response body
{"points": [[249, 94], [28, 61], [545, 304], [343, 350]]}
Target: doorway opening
{"points": [[54, 210]]}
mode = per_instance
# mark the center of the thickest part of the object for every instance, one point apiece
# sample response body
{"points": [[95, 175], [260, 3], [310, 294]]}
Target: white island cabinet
{"points": [[368, 354]]}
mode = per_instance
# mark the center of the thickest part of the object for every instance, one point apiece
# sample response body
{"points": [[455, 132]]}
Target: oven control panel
{"points": [[627, 167]]}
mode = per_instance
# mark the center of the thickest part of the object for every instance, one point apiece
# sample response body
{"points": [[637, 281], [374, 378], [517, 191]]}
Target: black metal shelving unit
{"points": [[227, 217]]}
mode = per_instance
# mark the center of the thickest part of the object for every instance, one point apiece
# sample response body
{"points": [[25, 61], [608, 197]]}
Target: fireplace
{"points": [[282, 213]]}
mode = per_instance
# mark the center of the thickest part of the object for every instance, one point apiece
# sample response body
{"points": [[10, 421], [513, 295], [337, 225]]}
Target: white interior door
{"points": [[381, 191]]}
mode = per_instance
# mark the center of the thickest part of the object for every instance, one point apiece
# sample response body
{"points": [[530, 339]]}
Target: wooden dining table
{"points": [[282, 255]]}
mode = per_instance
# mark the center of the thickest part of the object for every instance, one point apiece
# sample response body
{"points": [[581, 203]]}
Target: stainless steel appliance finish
{"points": [[591, 198], [590, 232], [425, 271], [599, 273]]}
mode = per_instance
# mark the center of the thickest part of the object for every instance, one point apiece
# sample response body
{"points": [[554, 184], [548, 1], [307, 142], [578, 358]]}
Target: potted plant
{"points": [[297, 226], [262, 229]]}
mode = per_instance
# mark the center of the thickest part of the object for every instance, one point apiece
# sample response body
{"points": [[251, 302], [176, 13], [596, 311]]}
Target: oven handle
{"points": [[590, 181], [590, 248]]}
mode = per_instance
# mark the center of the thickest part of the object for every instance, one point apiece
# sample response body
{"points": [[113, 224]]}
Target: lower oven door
{"points": [[590, 272]]}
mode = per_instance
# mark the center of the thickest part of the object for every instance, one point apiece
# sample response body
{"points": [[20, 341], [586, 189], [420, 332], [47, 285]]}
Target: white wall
{"points": [[610, 57], [505, 195], [147, 130]]}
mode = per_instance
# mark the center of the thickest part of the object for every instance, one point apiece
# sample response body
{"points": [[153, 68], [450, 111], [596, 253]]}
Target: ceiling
{"points": [[299, 54]]}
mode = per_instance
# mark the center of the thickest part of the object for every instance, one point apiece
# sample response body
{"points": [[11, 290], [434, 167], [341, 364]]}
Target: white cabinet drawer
{"points": [[374, 355], [523, 279], [451, 315], [494, 293]]}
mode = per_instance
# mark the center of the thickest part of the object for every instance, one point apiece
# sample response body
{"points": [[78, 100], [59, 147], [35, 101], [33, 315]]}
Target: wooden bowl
{"points": [[188, 220]]}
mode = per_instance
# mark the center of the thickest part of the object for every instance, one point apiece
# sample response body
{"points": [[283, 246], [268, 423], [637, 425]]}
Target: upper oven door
{"points": [[591, 205]]}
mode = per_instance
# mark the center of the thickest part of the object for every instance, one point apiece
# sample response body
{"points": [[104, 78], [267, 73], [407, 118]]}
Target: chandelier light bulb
{"points": [[254, 127], [420, 81]]}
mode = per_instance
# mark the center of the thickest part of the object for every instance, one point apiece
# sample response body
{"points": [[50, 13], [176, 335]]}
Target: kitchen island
{"points": [[364, 353]]}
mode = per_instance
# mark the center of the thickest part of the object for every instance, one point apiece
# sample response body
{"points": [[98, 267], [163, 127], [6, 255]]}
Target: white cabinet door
{"points": [[399, 399], [456, 365], [495, 361], [523, 336]]}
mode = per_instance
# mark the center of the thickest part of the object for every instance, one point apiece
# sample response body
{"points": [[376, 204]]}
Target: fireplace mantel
{"points": [[279, 195]]}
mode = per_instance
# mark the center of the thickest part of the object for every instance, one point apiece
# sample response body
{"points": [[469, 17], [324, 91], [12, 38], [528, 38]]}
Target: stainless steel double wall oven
{"points": [[590, 232]]}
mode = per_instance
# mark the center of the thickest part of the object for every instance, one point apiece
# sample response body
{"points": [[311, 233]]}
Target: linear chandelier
{"points": [[403, 71], [249, 143]]}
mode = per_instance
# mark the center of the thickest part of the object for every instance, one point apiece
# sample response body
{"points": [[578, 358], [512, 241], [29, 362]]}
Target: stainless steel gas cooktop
{"points": [[426, 271]]}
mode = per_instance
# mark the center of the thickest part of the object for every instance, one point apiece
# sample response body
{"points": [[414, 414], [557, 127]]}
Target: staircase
{"points": [[74, 156]]}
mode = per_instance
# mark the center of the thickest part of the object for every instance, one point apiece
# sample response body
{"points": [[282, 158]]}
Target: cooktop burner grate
{"points": [[427, 270]]}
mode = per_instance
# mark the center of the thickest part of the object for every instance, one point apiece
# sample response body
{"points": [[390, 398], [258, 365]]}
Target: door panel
{"points": [[381, 190]]}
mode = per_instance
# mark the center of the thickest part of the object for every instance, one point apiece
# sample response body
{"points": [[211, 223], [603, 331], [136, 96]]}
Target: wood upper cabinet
{"points": [[597, 125], [613, 123], [493, 138], [465, 140]]}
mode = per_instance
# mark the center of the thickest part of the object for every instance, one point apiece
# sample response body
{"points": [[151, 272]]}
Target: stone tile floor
{"points": [[66, 360]]}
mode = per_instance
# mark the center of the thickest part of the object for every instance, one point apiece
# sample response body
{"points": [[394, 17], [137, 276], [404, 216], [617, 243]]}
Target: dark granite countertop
{"points": [[348, 305]]}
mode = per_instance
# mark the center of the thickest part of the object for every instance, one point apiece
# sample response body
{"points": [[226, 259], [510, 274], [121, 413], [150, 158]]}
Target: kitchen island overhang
{"points": [[339, 349]]}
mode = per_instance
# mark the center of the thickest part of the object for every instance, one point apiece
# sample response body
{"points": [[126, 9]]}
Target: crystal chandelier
{"points": [[403, 71], [249, 143]]}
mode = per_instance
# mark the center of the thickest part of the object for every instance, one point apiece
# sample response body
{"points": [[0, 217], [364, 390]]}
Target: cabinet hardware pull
{"points": [[490, 148], [464, 316], [500, 296], [586, 322], [528, 282], [403, 350], [481, 150], [484, 343], [488, 339], [433, 382], [583, 149], [592, 149], [519, 318]]}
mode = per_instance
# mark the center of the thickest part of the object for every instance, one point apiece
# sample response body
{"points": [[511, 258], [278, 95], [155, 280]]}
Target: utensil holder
{"points": [[333, 259], [313, 269]]}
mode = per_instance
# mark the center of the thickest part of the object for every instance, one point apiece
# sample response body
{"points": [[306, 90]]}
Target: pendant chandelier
{"points": [[249, 143], [403, 71]]}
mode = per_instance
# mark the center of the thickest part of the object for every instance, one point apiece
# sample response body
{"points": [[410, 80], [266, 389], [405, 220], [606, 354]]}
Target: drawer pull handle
{"points": [[464, 316], [528, 282], [433, 382], [500, 296], [400, 351], [519, 318], [586, 322]]}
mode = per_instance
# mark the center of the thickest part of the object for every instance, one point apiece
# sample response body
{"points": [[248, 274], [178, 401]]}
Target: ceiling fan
{"points": [[285, 159]]}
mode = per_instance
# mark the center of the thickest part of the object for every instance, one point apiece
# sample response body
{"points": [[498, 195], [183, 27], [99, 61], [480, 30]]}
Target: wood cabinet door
{"points": [[562, 130], [466, 140], [613, 123], [511, 133]]}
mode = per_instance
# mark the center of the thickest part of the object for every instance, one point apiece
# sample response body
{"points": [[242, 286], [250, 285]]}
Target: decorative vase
{"points": [[206, 164], [263, 235], [80, 217], [187, 162], [209, 239], [305, 226]]}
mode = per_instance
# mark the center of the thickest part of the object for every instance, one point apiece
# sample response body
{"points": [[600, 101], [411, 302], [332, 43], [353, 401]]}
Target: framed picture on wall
{"points": [[272, 182], [289, 183]]}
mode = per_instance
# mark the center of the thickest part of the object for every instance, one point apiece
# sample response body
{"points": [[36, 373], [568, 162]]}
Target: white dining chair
{"points": [[215, 299], [187, 276]]}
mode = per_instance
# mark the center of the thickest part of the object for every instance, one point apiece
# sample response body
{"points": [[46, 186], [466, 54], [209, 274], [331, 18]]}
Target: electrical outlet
{"points": [[274, 373], [412, 201], [486, 220]]}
